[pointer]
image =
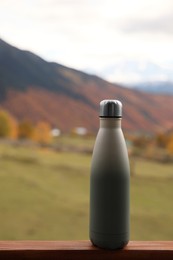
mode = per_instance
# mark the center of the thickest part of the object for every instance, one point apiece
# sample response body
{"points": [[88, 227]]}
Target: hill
{"points": [[33, 88], [159, 87]]}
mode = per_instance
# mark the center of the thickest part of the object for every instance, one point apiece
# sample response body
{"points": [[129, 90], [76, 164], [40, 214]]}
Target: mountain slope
{"points": [[162, 87], [33, 88], [20, 69]]}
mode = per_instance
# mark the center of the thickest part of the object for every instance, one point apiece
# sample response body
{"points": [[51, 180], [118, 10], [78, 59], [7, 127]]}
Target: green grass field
{"points": [[45, 195]]}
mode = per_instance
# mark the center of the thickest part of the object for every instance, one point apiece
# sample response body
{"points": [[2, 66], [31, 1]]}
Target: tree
{"points": [[141, 141], [8, 126], [42, 133], [25, 130], [170, 145], [162, 140]]}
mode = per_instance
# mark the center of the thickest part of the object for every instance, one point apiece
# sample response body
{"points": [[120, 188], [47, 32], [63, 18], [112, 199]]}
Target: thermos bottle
{"points": [[109, 181]]}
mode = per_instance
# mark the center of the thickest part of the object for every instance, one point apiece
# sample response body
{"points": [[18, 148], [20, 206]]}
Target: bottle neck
{"points": [[107, 122]]}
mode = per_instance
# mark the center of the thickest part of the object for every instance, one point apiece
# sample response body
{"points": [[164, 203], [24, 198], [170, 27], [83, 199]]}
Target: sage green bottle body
{"points": [[109, 187]]}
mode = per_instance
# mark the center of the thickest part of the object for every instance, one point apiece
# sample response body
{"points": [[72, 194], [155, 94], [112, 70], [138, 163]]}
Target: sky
{"points": [[124, 41]]}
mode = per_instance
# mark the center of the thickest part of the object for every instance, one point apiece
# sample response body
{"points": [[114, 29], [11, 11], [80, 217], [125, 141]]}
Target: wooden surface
{"points": [[84, 250]]}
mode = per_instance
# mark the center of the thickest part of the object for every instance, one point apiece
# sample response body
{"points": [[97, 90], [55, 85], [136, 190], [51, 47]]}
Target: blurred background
{"points": [[58, 60]]}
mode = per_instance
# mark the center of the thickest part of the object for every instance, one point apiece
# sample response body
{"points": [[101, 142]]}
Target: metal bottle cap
{"points": [[110, 108]]}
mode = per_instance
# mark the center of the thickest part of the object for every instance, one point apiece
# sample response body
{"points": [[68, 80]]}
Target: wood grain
{"points": [[84, 250]]}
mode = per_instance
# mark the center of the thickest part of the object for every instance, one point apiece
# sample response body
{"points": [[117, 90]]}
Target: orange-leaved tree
{"points": [[170, 145], [25, 130], [162, 140], [42, 133], [8, 125]]}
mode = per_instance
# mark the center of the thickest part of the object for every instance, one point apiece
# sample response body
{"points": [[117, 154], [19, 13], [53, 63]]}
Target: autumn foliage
{"points": [[42, 133], [39, 132], [158, 146], [8, 125], [170, 145], [25, 130]]}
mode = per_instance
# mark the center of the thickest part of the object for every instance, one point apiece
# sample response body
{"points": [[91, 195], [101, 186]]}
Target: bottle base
{"points": [[109, 241]]}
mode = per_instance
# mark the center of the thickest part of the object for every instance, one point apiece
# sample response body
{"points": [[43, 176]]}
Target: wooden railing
{"points": [[83, 250]]}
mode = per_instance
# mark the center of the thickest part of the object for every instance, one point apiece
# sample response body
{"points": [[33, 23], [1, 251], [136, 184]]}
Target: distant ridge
{"points": [[21, 69], [33, 88], [156, 87]]}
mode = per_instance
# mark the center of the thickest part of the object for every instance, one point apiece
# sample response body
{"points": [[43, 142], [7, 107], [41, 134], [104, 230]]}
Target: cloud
{"points": [[162, 24], [90, 34], [131, 71]]}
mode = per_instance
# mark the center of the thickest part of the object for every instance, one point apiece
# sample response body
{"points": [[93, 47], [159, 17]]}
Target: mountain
{"points": [[33, 88], [158, 87]]}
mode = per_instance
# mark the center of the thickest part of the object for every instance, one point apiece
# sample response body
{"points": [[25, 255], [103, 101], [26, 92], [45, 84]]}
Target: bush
{"points": [[8, 126]]}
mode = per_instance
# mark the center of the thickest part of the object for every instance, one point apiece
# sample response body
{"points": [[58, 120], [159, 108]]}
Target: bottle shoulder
{"points": [[110, 152], [110, 138]]}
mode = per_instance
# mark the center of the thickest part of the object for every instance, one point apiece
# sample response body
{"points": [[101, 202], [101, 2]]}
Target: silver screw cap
{"points": [[110, 108]]}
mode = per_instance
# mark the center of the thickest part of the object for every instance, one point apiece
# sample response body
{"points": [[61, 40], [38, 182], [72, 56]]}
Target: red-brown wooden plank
{"points": [[83, 250]]}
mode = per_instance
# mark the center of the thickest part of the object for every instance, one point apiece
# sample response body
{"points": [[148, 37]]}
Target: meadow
{"points": [[44, 194]]}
